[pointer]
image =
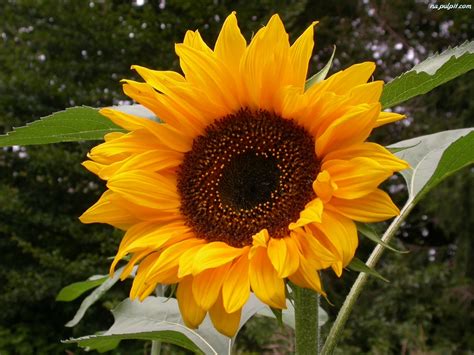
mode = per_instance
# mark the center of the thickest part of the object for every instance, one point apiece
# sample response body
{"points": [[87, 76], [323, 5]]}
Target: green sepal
{"points": [[320, 75]]}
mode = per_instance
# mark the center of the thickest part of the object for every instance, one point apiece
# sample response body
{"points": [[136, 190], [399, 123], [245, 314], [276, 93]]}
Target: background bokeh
{"points": [[60, 53]]}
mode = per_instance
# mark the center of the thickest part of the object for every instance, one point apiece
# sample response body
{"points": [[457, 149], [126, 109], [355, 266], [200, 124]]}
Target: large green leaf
{"points": [[73, 124], [159, 318], [432, 72], [74, 290], [433, 158]]}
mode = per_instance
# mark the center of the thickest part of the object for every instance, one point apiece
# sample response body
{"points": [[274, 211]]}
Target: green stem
{"points": [[155, 347], [156, 344], [306, 321], [340, 322]]}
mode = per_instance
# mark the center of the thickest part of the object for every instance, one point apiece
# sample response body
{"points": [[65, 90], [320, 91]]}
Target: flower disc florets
{"points": [[248, 171]]}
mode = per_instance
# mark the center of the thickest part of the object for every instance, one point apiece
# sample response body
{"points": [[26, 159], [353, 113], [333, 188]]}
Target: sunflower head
{"points": [[250, 180]]}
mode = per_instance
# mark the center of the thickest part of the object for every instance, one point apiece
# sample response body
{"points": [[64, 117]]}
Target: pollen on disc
{"points": [[247, 171]]}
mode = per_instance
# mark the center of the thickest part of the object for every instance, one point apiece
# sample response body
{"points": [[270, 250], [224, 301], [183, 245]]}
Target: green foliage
{"points": [[72, 125], [405, 315], [76, 289], [430, 73], [358, 265], [369, 232], [93, 297], [322, 74], [435, 157], [159, 318]]}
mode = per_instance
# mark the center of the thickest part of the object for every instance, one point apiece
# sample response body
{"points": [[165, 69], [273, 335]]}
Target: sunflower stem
{"points": [[306, 321], [346, 309], [155, 347], [156, 344]]}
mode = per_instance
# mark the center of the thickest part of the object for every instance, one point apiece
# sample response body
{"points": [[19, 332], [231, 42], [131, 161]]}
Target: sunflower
{"points": [[251, 180]]}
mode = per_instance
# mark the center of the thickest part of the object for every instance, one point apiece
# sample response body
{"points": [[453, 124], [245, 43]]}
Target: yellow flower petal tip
{"points": [[250, 179]]}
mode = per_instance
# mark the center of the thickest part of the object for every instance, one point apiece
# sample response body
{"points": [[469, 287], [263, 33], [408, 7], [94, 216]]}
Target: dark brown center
{"points": [[248, 171]]}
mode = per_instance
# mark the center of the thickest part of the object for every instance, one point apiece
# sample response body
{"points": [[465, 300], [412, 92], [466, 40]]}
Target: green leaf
{"points": [[288, 314], [72, 125], [156, 318], [159, 318], [94, 297], [427, 75], [359, 266], [320, 75], [74, 290], [369, 232], [433, 158]]}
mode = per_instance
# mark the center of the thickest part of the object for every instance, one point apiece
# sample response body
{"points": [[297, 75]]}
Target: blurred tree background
{"points": [[60, 53]]}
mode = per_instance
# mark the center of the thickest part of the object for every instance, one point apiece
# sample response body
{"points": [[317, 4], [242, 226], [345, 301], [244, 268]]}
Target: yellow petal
{"points": [[236, 287], [181, 101], [324, 186], [186, 260], [341, 232], [135, 232], [357, 177], [141, 283], [135, 259], [208, 284], [265, 66], [135, 142], [149, 235], [192, 314], [174, 139], [388, 117], [230, 44], [208, 73], [93, 167], [300, 55], [265, 282], [106, 211], [353, 76], [146, 189], [311, 213], [307, 277], [225, 323], [194, 40], [374, 207], [215, 254], [128, 121], [352, 128], [260, 239], [153, 160], [283, 255], [313, 248], [366, 93], [147, 96], [369, 150], [167, 264]]}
